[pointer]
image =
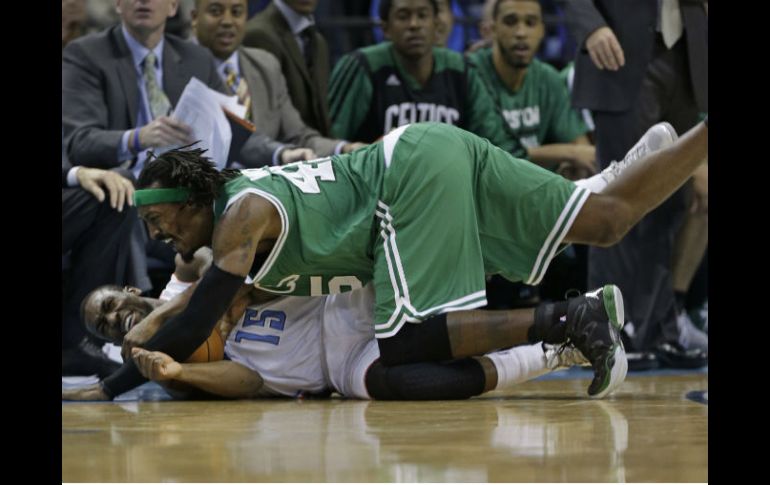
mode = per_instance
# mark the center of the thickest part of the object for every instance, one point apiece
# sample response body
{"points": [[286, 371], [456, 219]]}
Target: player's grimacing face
{"points": [[518, 30], [183, 225], [110, 314], [411, 26]]}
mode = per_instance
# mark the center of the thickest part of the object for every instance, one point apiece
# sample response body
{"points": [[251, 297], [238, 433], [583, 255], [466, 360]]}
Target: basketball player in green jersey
{"points": [[424, 214], [531, 95], [406, 80]]}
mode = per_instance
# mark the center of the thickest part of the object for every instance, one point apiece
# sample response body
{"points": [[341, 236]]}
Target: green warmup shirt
{"points": [[539, 113], [425, 214], [370, 94]]}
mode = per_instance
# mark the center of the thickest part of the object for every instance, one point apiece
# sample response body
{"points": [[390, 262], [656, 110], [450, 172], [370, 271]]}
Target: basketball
{"points": [[211, 350]]}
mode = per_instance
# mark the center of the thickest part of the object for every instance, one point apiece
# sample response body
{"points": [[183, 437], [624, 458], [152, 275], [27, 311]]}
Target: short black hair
{"points": [[385, 6], [189, 168], [496, 8]]}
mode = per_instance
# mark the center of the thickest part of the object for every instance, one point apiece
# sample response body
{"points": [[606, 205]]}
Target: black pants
{"points": [[641, 264], [97, 238]]}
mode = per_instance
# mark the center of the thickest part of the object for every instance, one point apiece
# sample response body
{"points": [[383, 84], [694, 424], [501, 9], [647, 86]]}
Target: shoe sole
{"points": [[613, 304], [671, 132]]}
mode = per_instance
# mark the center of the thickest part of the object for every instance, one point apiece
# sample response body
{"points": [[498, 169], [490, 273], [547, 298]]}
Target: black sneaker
{"points": [[673, 356], [642, 361], [87, 359], [594, 321]]}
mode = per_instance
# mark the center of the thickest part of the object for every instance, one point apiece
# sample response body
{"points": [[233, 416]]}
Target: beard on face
{"points": [[512, 59]]}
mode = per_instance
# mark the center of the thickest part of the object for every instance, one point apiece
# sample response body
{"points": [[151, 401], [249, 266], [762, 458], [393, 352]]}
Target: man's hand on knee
{"points": [[96, 181]]}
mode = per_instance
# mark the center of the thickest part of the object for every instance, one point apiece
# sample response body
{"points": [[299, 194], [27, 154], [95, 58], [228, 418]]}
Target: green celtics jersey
{"points": [[423, 215], [538, 113], [370, 93], [327, 213]]}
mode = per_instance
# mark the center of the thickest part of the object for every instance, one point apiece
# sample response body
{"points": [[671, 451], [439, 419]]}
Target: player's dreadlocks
{"points": [[188, 168]]}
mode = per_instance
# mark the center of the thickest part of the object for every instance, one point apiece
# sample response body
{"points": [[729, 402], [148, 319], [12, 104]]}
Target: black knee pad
{"points": [[427, 341], [458, 379]]}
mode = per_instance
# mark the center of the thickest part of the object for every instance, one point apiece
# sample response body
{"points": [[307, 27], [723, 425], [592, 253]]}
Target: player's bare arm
{"points": [[144, 330], [93, 392], [236, 237], [247, 295], [250, 225], [221, 378], [243, 229]]}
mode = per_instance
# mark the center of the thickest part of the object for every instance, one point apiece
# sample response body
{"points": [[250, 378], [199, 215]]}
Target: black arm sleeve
{"points": [[207, 304], [123, 379]]}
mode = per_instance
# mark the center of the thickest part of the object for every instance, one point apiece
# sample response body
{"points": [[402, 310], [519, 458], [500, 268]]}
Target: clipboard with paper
{"points": [[215, 119]]}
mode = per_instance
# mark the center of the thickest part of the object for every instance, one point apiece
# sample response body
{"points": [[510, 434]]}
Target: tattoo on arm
{"points": [[247, 223]]}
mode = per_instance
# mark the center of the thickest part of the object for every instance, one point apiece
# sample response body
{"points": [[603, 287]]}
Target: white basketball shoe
{"points": [[659, 136]]}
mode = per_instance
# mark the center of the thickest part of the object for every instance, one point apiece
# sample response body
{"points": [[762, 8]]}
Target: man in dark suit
{"points": [[286, 29], [119, 85], [255, 76], [97, 219], [641, 62]]}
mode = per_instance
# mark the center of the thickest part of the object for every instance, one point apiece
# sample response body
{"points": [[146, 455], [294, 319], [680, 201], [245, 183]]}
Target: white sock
{"points": [[519, 364], [595, 184]]}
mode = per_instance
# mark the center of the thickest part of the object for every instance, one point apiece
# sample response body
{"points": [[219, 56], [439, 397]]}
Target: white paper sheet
{"points": [[200, 107]]}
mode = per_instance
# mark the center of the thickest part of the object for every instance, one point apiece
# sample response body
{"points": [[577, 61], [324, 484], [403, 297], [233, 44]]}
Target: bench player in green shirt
{"points": [[424, 214], [531, 95], [406, 80], [535, 104]]}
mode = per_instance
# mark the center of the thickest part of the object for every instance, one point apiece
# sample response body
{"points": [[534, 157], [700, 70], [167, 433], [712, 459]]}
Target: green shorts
{"points": [[454, 208]]}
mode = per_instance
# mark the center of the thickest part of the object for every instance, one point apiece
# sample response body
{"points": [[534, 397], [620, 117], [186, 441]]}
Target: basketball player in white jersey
{"points": [[305, 346]]}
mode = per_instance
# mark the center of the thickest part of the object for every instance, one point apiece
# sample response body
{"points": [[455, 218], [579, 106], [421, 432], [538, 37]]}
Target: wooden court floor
{"points": [[544, 431]]}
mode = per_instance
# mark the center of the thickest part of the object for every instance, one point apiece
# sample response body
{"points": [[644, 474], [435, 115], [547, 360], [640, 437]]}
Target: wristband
{"points": [[137, 146]]}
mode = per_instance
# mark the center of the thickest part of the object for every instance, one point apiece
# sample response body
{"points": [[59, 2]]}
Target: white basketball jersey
{"points": [[309, 344], [349, 343], [302, 344], [281, 340]]}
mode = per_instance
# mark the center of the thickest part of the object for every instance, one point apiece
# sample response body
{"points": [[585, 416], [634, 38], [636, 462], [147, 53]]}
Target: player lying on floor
{"points": [[295, 346]]}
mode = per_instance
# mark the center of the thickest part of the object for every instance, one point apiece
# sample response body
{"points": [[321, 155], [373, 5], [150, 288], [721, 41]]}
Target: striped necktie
{"points": [[237, 86], [159, 103]]}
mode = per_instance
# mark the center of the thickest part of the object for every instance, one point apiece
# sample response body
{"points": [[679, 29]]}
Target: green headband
{"points": [[160, 196]]}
